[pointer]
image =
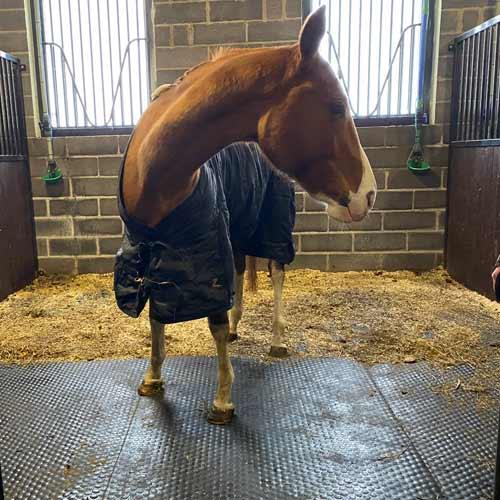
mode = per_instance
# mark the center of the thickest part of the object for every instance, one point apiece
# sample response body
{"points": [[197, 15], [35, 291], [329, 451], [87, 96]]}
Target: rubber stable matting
{"points": [[309, 429]]}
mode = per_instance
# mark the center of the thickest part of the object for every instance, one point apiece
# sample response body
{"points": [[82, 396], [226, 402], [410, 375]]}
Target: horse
{"points": [[247, 261], [286, 99]]}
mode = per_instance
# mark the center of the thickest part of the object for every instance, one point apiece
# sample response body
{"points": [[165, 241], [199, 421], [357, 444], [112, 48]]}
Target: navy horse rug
{"points": [[184, 265]]}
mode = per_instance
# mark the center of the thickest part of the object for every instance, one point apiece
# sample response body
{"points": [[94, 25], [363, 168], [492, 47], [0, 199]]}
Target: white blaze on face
{"points": [[360, 202]]}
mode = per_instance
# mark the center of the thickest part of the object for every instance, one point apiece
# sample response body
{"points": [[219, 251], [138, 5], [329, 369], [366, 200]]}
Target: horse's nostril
{"points": [[371, 199], [344, 201]]}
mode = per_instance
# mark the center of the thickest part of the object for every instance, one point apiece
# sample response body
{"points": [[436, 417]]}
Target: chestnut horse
{"points": [[288, 100]]}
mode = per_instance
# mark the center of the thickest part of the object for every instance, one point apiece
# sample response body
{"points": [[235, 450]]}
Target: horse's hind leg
{"points": [[222, 409], [236, 312], [278, 347], [152, 383]]}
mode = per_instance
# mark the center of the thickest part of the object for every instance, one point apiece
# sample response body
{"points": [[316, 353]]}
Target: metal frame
{"points": [[13, 142], [475, 99], [496, 487], [41, 73], [471, 85], [477, 29], [90, 131], [477, 143], [14, 89], [1, 485], [385, 120], [458, 73]]}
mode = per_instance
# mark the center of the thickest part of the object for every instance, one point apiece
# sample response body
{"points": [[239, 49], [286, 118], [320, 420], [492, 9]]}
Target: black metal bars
{"points": [[12, 126], [475, 103], [95, 59]]}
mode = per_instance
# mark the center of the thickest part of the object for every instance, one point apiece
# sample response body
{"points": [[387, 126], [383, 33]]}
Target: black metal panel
{"points": [[497, 468], [17, 227], [477, 29], [472, 235], [12, 131], [305, 429], [476, 84], [472, 200]]}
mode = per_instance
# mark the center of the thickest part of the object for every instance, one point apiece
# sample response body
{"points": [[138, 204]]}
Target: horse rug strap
{"points": [[184, 265]]}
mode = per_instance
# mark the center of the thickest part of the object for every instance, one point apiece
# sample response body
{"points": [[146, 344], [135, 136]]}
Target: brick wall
{"points": [[77, 225]]}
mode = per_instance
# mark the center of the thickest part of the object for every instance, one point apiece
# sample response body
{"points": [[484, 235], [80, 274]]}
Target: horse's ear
{"points": [[312, 32]]}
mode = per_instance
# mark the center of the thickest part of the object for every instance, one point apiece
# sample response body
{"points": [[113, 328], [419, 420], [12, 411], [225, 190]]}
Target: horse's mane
{"points": [[216, 54]]}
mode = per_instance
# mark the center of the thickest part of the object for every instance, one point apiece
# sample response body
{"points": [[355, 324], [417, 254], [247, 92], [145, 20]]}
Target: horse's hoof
{"points": [[151, 389], [220, 417], [278, 351], [232, 337]]}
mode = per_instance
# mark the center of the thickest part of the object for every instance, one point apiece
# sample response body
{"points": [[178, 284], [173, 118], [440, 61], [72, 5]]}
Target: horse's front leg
{"points": [[278, 347], [236, 312], [152, 383], [222, 409]]}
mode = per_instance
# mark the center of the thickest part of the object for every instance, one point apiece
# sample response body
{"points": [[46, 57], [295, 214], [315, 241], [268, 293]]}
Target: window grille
{"points": [[95, 63], [476, 84], [374, 47]]}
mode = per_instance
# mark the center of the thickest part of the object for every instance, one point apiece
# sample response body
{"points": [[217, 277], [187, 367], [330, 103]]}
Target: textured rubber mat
{"points": [[455, 436], [311, 429]]}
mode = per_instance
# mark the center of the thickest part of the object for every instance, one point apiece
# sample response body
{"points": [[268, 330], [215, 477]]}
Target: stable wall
{"points": [[78, 229]]}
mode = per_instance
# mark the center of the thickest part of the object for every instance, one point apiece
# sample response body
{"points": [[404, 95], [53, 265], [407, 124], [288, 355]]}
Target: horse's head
{"points": [[309, 133]]}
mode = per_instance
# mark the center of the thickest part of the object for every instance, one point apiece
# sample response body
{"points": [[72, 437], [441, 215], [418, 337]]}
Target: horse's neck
{"points": [[217, 105]]}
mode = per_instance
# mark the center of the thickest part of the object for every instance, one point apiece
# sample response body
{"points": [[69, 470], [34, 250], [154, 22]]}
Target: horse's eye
{"points": [[337, 109]]}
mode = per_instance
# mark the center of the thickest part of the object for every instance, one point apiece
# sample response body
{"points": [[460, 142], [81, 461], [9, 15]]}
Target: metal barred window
{"points": [[12, 128], [476, 85], [94, 61], [376, 49]]}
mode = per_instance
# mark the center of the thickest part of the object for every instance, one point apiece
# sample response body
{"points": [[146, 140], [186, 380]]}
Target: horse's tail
{"points": [[251, 266]]}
